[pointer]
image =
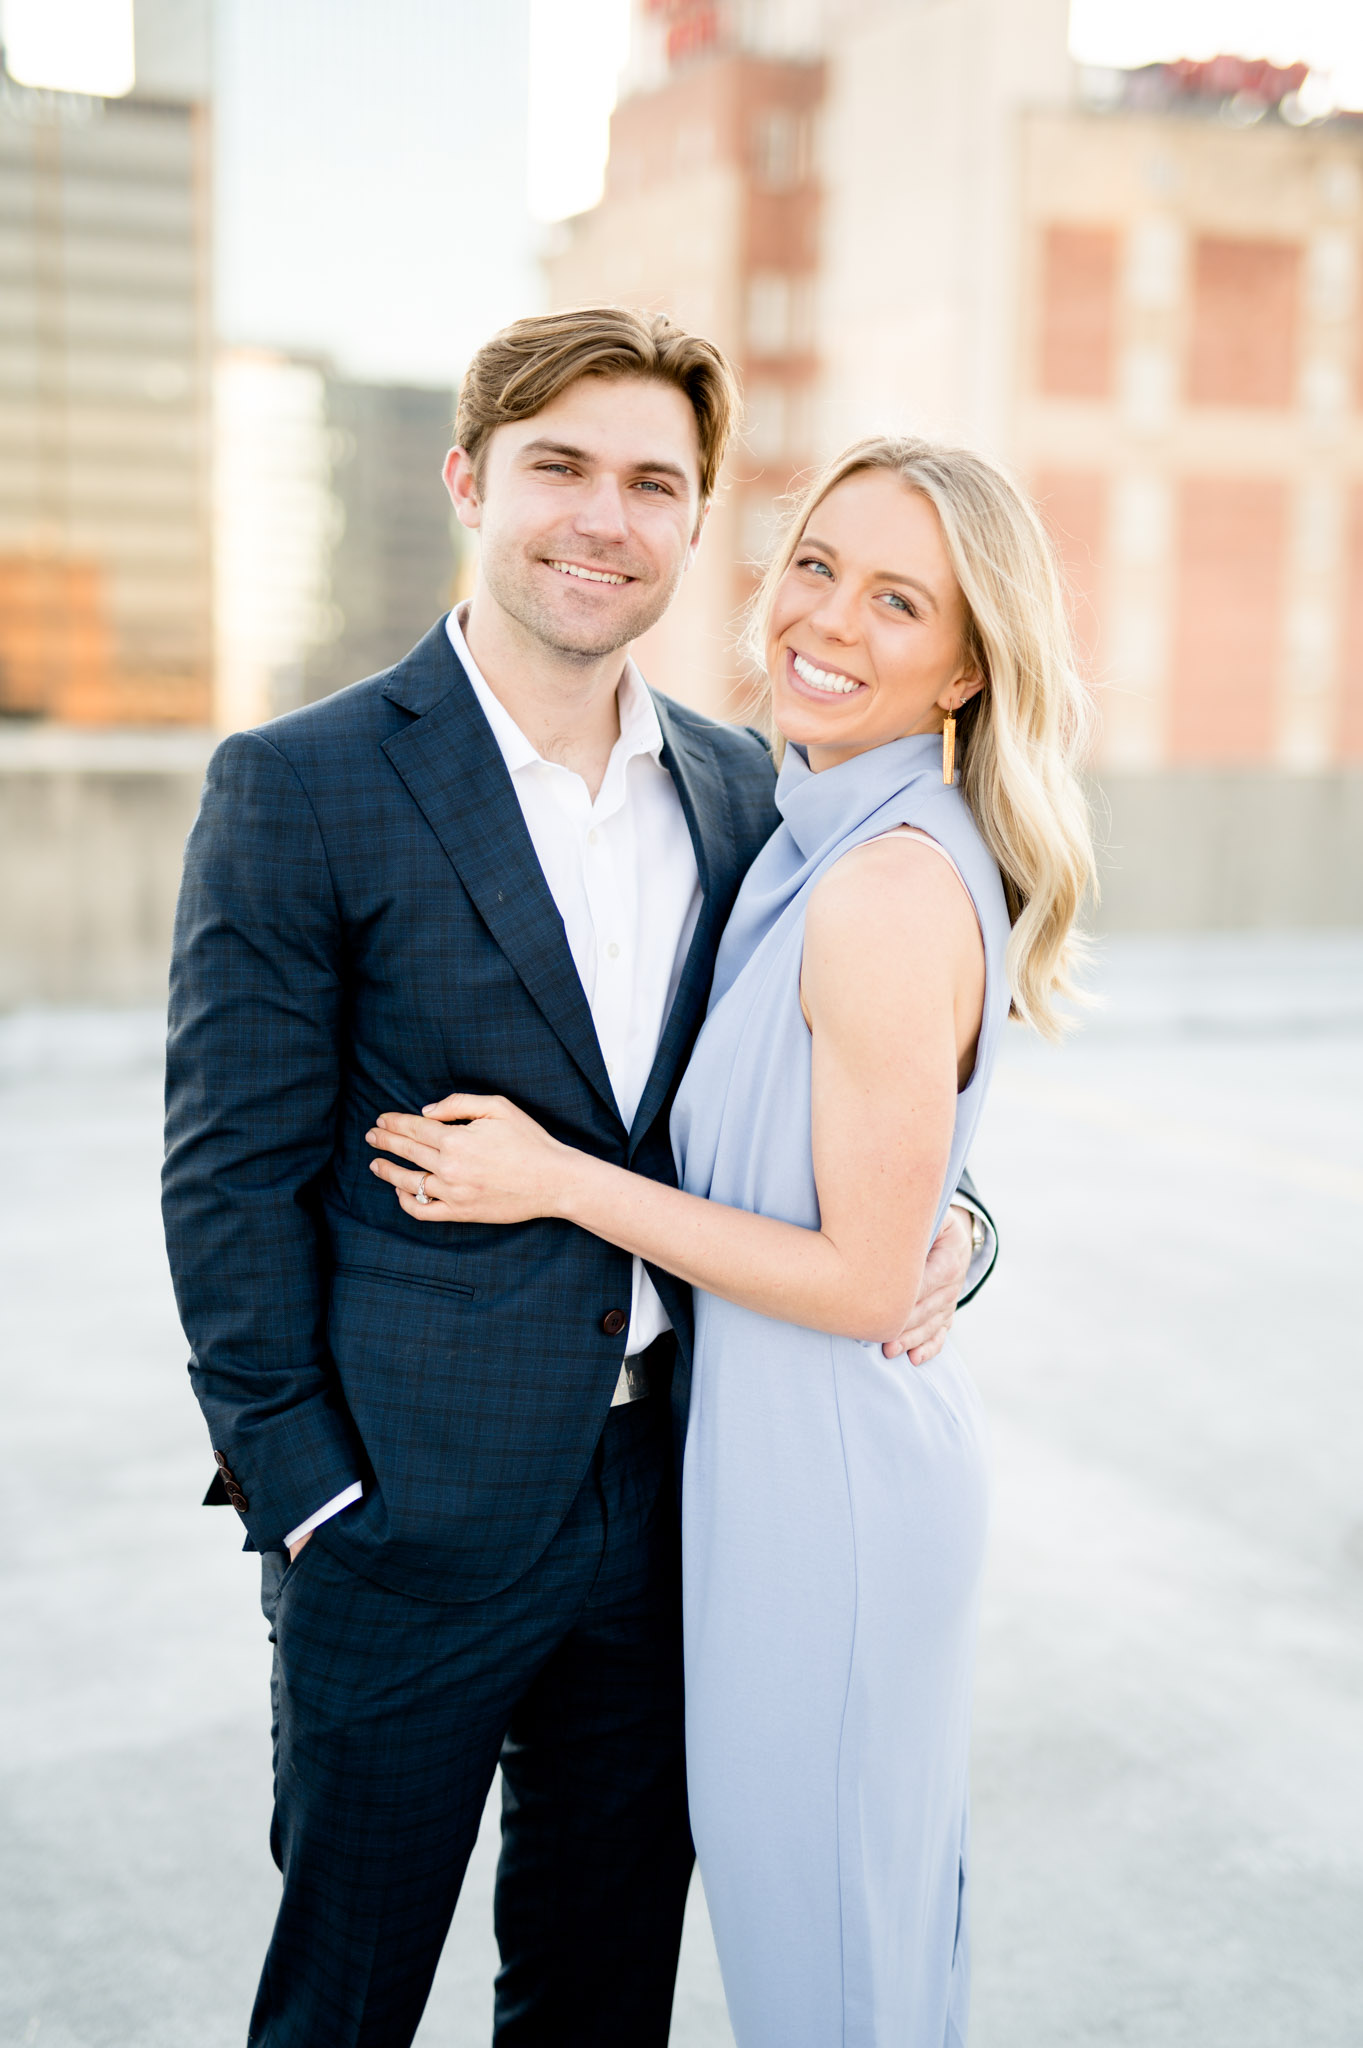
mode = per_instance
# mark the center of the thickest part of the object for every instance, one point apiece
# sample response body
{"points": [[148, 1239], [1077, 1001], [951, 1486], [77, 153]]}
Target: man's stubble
{"points": [[512, 581]]}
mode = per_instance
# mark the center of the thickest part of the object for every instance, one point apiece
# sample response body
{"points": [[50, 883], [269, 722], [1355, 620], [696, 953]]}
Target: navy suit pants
{"points": [[391, 1716]]}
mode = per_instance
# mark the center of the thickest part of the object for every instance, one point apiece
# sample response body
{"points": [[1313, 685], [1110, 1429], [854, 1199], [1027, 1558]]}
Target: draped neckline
{"points": [[820, 809]]}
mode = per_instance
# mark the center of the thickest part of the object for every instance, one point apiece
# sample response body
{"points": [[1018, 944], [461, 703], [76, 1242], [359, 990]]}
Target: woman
{"points": [[834, 1501]]}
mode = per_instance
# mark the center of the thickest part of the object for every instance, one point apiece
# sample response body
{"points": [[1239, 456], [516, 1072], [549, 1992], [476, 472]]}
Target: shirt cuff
{"points": [[983, 1259], [333, 1507]]}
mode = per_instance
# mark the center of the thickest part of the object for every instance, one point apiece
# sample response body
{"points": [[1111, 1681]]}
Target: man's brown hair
{"points": [[526, 366]]}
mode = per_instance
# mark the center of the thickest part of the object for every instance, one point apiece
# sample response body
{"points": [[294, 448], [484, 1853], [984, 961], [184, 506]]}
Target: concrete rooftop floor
{"points": [[1168, 1843]]}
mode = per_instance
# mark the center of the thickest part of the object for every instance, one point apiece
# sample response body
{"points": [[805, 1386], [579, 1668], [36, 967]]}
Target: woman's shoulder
{"points": [[891, 887]]}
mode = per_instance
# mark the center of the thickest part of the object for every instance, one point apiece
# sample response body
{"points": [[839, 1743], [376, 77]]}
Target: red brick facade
{"points": [[1228, 617], [1078, 312], [1245, 318]]}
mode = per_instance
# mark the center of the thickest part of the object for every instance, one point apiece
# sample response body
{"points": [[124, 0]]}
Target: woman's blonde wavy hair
{"points": [[1021, 738]]}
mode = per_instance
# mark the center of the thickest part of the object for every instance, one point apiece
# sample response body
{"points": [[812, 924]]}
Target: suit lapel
{"points": [[705, 802], [454, 772]]}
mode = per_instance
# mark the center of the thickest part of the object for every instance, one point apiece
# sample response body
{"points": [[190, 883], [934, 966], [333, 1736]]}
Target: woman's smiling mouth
{"points": [[820, 682]]}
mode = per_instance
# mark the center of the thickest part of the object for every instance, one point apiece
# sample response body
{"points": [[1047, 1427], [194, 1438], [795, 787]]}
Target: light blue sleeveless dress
{"points": [[834, 1509]]}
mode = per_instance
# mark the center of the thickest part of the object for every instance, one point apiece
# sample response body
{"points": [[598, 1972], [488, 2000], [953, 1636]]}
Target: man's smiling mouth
{"points": [[828, 680], [588, 575]]}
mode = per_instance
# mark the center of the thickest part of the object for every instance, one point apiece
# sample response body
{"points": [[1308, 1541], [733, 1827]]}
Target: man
{"points": [[502, 866]]}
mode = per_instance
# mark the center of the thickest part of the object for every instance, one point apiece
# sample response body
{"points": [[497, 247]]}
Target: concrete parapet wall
{"points": [[1230, 850], [92, 833], [93, 825]]}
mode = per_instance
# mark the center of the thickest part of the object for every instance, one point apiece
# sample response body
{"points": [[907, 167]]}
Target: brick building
{"points": [[1142, 290], [711, 210], [1190, 409]]}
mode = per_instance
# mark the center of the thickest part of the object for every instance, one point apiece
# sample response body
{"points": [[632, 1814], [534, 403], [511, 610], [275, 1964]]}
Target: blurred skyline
{"points": [[423, 147]]}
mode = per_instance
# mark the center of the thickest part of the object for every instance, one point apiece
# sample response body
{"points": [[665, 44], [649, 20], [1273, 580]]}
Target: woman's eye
{"points": [[892, 597], [813, 562]]}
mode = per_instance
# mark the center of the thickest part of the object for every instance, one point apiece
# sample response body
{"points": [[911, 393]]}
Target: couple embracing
{"points": [[556, 1088]]}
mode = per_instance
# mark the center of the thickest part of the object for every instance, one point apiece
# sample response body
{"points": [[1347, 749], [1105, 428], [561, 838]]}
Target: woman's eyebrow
{"points": [[811, 540]]}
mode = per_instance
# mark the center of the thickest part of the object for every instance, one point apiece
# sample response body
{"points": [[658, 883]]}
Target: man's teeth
{"points": [[824, 678], [587, 575]]}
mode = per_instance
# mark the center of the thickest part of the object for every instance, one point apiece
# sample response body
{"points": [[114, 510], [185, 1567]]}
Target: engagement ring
{"points": [[421, 1194]]}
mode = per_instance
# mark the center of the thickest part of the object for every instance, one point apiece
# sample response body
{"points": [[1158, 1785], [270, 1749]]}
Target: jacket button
{"points": [[614, 1321], [220, 1461], [239, 1500]]}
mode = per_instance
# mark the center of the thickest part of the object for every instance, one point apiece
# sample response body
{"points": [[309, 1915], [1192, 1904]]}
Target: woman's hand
{"points": [[477, 1159]]}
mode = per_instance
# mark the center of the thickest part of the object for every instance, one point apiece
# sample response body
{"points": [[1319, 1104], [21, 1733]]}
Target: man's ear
{"points": [[461, 482]]}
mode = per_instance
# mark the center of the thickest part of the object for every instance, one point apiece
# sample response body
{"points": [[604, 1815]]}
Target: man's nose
{"points": [[601, 512]]}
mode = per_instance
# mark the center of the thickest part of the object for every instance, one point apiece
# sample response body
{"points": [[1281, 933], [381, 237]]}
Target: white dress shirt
{"points": [[622, 873], [623, 876]]}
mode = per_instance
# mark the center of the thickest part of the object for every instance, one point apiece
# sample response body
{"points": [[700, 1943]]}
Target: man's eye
{"points": [[650, 483]]}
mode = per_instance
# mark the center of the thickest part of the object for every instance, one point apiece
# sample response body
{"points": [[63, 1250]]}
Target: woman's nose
{"points": [[835, 617]]}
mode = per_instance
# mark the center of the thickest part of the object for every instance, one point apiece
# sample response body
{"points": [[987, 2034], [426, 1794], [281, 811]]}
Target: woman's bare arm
{"points": [[893, 973]]}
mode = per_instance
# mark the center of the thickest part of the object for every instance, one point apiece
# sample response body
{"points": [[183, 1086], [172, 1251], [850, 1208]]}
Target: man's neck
{"points": [[568, 709]]}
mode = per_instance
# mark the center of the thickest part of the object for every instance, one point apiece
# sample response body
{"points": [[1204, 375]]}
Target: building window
{"points": [[780, 148], [1244, 340], [779, 422], [768, 434], [1228, 618], [1078, 311], [779, 319]]}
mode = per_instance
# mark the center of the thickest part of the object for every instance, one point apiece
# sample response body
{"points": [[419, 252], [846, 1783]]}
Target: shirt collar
{"points": [[640, 732]]}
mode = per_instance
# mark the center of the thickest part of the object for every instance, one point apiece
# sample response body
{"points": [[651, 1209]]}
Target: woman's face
{"points": [[866, 641]]}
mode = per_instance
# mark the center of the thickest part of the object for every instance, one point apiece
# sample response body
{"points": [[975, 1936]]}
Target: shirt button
{"points": [[612, 951], [593, 836]]}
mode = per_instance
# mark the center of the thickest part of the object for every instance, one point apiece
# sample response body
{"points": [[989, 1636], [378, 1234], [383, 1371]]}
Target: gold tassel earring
{"points": [[949, 747]]}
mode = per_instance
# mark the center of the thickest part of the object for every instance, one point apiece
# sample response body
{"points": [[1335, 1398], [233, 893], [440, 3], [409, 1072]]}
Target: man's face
{"points": [[588, 513]]}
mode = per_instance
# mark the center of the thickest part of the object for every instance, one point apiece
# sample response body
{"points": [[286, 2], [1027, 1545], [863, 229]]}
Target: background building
{"points": [[711, 210], [334, 538], [104, 389], [1140, 289]]}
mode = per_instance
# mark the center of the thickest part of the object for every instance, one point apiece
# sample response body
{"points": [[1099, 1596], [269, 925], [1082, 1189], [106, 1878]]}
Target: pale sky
{"points": [[371, 178], [384, 170]]}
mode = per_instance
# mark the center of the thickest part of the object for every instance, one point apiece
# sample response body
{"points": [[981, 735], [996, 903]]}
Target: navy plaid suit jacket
{"points": [[363, 925]]}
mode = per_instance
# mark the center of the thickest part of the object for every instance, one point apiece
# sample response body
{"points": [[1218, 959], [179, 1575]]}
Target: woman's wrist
{"points": [[572, 1185]]}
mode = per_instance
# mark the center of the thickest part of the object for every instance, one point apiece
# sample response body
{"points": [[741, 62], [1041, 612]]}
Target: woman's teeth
{"points": [[588, 575], [824, 678]]}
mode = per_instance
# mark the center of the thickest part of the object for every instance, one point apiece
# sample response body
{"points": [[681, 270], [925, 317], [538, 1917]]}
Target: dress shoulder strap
{"points": [[924, 839]]}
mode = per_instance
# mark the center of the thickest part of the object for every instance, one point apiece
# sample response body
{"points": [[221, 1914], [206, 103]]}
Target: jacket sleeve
{"points": [[252, 1084]]}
